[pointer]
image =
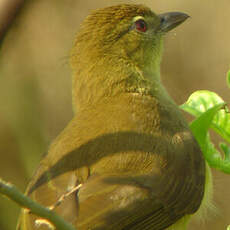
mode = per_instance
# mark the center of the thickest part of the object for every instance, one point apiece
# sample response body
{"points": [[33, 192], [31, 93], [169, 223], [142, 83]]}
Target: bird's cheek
{"points": [[131, 43]]}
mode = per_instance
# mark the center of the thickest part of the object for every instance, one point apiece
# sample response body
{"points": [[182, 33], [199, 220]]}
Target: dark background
{"points": [[35, 81]]}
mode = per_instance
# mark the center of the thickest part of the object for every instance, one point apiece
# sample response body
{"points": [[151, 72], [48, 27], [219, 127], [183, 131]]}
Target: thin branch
{"points": [[64, 196], [8, 12], [14, 194]]}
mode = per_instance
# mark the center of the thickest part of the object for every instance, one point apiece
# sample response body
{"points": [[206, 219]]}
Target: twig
{"points": [[8, 12], [64, 196], [14, 194]]}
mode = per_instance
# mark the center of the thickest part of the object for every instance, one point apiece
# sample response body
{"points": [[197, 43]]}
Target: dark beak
{"points": [[170, 20]]}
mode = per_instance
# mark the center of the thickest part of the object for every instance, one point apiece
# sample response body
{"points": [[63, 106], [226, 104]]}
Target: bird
{"points": [[127, 160]]}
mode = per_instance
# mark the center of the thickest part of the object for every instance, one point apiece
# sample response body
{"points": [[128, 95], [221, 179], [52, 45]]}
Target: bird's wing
{"points": [[58, 194], [110, 202], [135, 201], [103, 204], [151, 201], [106, 204]]}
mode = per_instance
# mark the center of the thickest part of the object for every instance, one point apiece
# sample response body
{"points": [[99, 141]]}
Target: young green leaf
{"points": [[226, 150], [201, 125], [211, 112], [203, 100]]}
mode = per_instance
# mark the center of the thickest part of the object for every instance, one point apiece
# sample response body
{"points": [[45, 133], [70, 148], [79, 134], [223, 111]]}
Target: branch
{"points": [[14, 194], [8, 11]]}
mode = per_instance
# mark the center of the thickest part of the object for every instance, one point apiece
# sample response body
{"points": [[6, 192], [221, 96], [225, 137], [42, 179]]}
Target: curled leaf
{"points": [[211, 112], [203, 100]]}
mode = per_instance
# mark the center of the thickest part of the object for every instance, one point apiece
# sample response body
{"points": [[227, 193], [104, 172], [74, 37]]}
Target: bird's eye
{"points": [[141, 25]]}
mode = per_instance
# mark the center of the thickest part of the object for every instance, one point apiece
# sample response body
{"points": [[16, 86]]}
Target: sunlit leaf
{"points": [[201, 125], [226, 150], [201, 101], [210, 112]]}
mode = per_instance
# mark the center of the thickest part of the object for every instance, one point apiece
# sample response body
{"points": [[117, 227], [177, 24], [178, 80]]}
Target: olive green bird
{"points": [[127, 160]]}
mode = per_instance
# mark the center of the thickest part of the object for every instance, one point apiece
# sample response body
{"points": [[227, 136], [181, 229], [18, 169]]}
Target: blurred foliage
{"points": [[228, 78], [35, 81]]}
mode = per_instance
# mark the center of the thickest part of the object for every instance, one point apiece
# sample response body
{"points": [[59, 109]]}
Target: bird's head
{"points": [[118, 49]]}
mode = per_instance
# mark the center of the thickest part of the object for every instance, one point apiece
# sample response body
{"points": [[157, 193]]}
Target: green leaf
{"points": [[200, 101], [201, 125], [226, 150], [228, 78], [208, 108], [203, 100]]}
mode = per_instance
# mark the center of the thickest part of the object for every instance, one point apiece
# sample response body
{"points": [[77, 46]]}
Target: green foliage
{"points": [[228, 78], [211, 112]]}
